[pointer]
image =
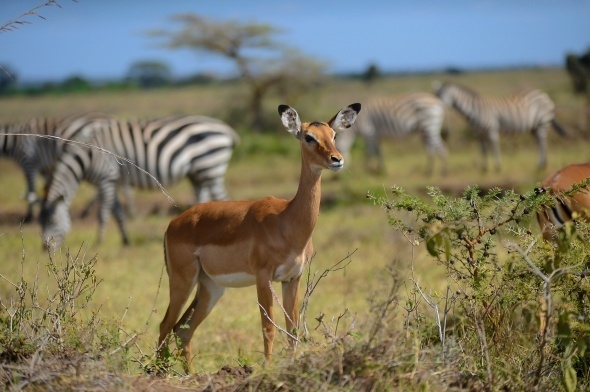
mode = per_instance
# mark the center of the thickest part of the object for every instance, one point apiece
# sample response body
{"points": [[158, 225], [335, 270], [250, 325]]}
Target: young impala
{"points": [[553, 217], [225, 244]]}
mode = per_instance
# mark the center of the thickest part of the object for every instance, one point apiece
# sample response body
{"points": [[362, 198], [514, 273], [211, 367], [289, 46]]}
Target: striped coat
{"points": [[163, 151], [397, 117], [529, 111], [36, 145]]}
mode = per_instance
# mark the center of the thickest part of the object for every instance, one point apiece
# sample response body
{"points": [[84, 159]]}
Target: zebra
{"points": [[165, 149], [528, 111], [36, 145], [398, 116]]}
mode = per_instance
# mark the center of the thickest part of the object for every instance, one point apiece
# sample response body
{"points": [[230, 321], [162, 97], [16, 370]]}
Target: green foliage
{"points": [[500, 274], [41, 326]]}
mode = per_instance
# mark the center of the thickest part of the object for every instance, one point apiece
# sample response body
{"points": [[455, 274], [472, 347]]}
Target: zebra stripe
{"points": [[171, 148], [527, 111], [36, 145], [395, 117]]}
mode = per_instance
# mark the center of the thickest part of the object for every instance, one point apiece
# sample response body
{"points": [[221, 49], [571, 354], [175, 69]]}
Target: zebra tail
{"points": [[560, 130]]}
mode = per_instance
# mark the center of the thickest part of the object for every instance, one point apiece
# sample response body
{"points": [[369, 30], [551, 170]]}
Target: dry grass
{"points": [[348, 223]]}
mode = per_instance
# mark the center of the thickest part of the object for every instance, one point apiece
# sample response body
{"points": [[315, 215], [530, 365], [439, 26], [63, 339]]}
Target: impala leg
{"points": [[183, 271], [291, 305], [266, 315], [208, 293]]}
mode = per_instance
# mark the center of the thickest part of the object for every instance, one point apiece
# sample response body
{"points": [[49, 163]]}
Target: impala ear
{"points": [[290, 119], [345, 118]]}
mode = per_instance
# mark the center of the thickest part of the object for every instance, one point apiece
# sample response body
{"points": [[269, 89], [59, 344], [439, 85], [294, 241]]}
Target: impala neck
{"points": [[304, 208]]}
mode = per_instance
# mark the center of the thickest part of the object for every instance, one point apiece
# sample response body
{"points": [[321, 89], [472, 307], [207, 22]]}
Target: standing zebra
{"points": [[528, 111], [36, 145], [398, 116], [168, 148]]}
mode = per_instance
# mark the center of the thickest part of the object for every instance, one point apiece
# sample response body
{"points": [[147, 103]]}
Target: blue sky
{"points": [[100, 39]]}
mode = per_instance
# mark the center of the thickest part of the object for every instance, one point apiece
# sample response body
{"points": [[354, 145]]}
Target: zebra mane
{"points": [[465, 89]]}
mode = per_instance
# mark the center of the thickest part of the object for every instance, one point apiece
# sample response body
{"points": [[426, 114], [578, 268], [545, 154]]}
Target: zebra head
{"points": [[55, 221]]}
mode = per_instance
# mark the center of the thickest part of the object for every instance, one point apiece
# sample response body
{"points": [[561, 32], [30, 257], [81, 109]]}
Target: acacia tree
{"points": [[262, 63]]}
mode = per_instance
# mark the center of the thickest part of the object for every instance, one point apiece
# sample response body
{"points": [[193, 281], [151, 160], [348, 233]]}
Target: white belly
{"points": [[237, 279]]}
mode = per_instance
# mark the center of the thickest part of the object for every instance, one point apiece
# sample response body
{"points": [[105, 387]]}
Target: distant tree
{"points": [[578, 67], [8, 78], [371, 74], [149, 74], [75, 84], [262, 63]]}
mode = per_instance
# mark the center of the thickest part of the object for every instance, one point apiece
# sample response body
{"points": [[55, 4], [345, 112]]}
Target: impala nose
{"points": [[337, 163]]}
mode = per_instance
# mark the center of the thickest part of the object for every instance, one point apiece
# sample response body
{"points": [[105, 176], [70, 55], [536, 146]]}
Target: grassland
{"points": [[265, 164]]}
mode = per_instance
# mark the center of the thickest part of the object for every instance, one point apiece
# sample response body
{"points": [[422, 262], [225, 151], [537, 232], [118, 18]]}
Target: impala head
{"points": [[317, 138]]}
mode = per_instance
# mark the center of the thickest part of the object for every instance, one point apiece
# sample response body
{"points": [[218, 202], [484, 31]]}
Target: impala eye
{"points": [[309, 139]]}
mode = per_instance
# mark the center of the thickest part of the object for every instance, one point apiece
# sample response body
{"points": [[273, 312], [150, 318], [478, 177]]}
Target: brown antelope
{"points": [[553, 217], [225, 244]]}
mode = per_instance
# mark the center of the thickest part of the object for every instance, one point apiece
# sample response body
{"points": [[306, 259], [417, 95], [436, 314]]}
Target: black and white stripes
{"points": [[398, 116], [529, 111], [37, 144], [169, 149]]}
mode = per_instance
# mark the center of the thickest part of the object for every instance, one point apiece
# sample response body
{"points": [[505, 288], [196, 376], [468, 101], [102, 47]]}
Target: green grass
{"points": [[269, 164]]}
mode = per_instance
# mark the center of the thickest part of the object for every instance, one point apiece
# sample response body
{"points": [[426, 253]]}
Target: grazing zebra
{"points": [[397, 117], [168, 148], [36, 145], [528, 111]]}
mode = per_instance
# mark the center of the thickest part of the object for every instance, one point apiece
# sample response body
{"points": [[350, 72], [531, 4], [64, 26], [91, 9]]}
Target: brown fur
{"points": [[257, 241], [551, 218]]}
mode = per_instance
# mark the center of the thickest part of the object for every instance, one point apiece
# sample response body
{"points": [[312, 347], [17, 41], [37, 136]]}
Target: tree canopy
{"points": [[262, 62]]}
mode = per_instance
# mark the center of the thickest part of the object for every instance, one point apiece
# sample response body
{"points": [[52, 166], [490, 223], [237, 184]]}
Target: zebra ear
{"points": [[291, 120], [345, 117]]}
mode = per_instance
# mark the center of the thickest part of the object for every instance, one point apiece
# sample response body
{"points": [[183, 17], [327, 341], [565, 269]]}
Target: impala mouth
{"points": [[336, 166]]}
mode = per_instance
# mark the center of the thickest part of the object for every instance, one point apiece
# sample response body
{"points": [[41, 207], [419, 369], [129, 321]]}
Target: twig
{"points": [[13, 24], [118, 158], [277, 326]]}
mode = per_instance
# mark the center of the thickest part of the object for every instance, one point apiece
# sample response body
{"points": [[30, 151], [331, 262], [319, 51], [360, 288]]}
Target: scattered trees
{"points": [[262, 62]]}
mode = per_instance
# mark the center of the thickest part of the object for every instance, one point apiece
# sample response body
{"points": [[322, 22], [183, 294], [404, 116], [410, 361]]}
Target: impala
{"points": [[225, 244], [553, 217]]}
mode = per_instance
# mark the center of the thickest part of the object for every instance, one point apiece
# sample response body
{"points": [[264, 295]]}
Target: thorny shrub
{"points": [[42, 328], [516, 310]]}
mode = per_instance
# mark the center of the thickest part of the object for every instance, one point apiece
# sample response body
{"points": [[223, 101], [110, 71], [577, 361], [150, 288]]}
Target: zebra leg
{"points": [[541, 136], [95, 200], [32, 198], [109, 202], [484, 153], [443, 155], [217, 189], [129, 205], [120, 218], [210, 185], [373, 152], [494, 137]]}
